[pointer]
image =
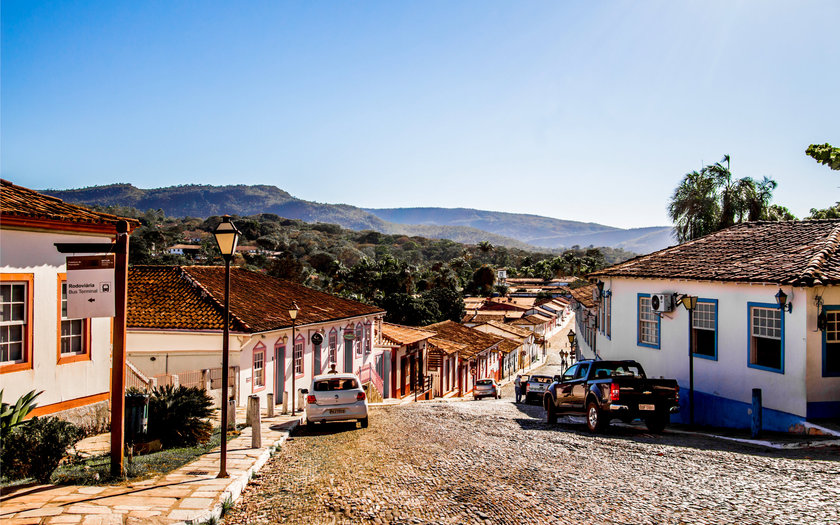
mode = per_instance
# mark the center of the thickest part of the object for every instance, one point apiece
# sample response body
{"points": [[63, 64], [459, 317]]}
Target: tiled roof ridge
{"points": [[811, 275], [44, 196], [196, 283]]}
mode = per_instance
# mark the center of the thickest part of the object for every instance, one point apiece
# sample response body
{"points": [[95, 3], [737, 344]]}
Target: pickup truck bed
{"points": [[605, 390]]}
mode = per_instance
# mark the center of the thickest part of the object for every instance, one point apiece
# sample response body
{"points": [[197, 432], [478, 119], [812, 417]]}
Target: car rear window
{"points": [[326, 385], [616, 371], [484, 382], [540, 379]]}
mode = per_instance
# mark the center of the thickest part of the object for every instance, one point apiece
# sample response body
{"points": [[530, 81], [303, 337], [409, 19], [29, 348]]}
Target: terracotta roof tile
{"points": [[799, 253], [17, 202], [583, 295], [513, 329], [191, 297], [447, 347], [403, 335], [474, 340]]}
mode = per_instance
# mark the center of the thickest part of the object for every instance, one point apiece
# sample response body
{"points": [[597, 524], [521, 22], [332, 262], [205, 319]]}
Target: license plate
{"points": [[647, 407], [337, 410]]}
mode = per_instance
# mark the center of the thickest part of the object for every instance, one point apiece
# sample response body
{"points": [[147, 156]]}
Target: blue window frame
{"points": [[705, 329], [647, 323], [831, 341], [766, 337]]}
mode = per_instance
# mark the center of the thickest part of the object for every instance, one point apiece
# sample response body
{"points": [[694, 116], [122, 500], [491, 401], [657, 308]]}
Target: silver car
{"points": [[536, 387], [486, 387], [336, 397]]}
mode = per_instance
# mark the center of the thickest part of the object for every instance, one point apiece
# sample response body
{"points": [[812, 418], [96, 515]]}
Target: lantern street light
{"points": [[293, 311], [690, 303], [227, 236], [781, 298], [573, 342]]}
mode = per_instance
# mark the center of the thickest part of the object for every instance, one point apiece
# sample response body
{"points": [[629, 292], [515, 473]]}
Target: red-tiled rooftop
{"points": [[18, 204], [403, 335], [474, 340], [800, 253], [191, 297]]}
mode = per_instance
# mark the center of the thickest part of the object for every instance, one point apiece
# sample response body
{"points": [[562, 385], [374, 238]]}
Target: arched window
{"points": [[360, 335], [368, 338]]}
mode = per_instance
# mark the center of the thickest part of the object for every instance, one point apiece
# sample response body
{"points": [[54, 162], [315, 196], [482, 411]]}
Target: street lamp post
{"points": [[293, 311], [226, 236], [690, 303], [572, 343]]}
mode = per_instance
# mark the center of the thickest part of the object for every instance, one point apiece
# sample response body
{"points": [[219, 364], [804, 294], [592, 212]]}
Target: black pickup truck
{"points": [[605, 390]]}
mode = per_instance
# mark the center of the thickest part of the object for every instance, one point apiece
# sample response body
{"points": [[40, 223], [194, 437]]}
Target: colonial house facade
{"points": [[519, 343], [407, 355], [477, 356], [40, 347], [175, 326], [767, 317]]}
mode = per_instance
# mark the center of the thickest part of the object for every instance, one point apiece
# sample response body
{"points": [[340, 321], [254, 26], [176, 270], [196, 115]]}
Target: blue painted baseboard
{"points": [[717, 411]]}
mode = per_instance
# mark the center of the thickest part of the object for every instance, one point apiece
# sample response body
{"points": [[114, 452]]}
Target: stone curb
{"points": [[238, 484]]}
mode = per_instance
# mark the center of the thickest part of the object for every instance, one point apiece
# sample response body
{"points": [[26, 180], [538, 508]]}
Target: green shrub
{"points": [[12, 415], [177, 416], [35, 448]]}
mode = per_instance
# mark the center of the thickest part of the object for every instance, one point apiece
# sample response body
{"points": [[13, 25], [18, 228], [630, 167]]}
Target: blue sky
{"points": [[589, 111]]}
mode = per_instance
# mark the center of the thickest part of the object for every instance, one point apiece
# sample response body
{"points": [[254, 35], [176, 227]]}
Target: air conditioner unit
{"points": [[662, 302]]}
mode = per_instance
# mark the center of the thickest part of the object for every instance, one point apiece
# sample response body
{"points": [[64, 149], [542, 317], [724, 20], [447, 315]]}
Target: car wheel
{"points": [[551, 412], [655, 424], [310, 423], [594, 418], [364, 422]]}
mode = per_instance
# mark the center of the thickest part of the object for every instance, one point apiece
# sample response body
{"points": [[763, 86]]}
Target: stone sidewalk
{"points": [[191, 494]]}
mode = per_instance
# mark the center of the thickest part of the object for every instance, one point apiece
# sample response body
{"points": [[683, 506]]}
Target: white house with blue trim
{"points": [[742, 339]]}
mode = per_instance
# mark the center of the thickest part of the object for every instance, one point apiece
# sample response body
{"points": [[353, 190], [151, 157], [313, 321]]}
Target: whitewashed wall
{"points": [[729, 376], [26, 252]]}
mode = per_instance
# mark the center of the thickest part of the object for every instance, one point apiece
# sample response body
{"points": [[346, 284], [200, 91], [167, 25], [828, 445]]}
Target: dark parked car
{"points": [[605, 390]]}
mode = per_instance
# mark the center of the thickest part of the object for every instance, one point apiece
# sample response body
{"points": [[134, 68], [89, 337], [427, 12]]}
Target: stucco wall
{"points": [[34, 253], [729, 376]]}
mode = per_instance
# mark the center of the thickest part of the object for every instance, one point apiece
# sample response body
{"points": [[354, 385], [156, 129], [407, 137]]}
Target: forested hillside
{"points": [[418, 280]]}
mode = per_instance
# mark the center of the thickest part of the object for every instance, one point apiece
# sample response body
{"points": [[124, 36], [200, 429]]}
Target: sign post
{"points": [[104, 279], [90, 286]]}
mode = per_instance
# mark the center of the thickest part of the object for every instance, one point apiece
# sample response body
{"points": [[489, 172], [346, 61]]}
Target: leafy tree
{"points": [[482, 281], [779, 213], [712, 199], [825, 154], [449, 303], [832, 212]]}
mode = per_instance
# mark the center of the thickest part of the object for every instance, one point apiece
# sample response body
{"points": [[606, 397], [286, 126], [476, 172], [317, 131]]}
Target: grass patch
{"points": [[95, 470]]}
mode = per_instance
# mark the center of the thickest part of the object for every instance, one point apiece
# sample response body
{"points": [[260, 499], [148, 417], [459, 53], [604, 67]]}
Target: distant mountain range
{"points": [[464, 225]]}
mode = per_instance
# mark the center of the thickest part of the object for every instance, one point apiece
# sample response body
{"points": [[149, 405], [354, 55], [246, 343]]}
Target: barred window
{"points": [[298, 353], [368, 338], [359, 337]]}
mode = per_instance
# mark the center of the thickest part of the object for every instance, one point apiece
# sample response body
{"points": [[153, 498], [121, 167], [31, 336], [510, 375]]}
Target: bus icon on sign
{"points": [[104, 287]]}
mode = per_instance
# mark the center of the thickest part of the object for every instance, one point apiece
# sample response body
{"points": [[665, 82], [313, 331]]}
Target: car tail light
{"points": [[311, 400], [360, 396], [614, 391], [677, 393]]}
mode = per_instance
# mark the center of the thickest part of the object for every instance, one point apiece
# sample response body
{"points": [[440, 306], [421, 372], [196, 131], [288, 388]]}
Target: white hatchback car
{"points": [[336, 397]]}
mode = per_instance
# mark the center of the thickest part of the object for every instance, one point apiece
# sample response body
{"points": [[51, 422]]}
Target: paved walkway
{"points": [[190, 494]]}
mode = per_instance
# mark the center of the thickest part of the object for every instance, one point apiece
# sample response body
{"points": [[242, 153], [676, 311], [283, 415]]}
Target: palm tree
{"points": [[694, 207]]}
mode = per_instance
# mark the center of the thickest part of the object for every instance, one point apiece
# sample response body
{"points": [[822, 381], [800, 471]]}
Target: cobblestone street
{"points": [[493, 461]]}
